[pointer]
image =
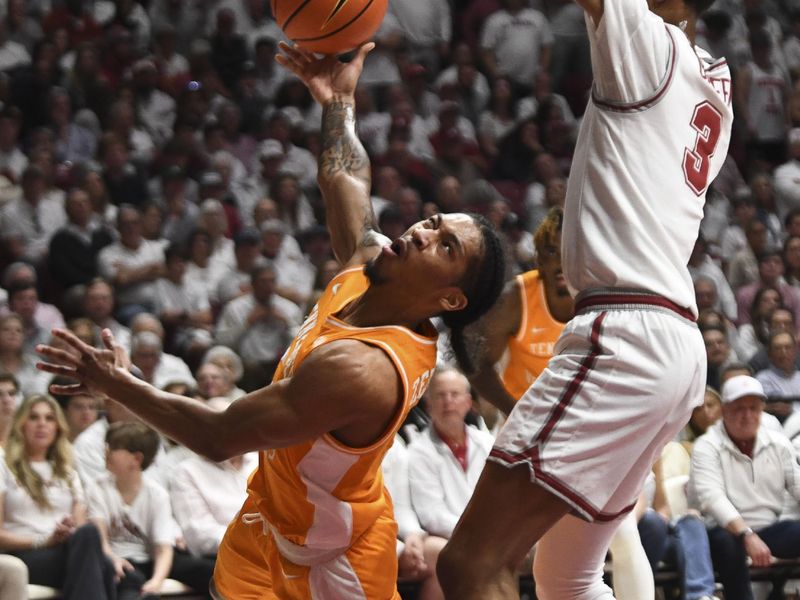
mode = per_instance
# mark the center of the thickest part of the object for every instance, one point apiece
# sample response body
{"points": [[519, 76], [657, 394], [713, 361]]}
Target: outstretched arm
{"points": [[345, 387], [344, 170], [495, 328]]}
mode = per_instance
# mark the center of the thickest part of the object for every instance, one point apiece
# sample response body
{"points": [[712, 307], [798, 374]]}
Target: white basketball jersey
{"points": [[654, 135]]}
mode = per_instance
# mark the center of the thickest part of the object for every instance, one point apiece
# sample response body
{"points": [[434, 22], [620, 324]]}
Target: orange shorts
{"points": [[249, 567]]}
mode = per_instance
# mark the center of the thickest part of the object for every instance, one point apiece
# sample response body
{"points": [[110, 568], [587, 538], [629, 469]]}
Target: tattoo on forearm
{"points": [[341, 148]]}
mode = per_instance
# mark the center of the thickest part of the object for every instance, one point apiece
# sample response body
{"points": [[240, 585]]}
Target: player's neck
{"points": [[561, 308], [381, 306]]}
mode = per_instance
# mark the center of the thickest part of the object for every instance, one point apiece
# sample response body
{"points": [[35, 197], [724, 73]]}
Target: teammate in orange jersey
{"points": [[318, 522], [521, 330]]}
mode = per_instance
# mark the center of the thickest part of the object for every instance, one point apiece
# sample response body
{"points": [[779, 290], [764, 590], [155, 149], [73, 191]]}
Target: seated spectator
{"points": [[89, 446], [200, 268], [236, 282], [73, 143], [781, 381], [703, 417], [206, 495], [72, 258], [791, 259], [753, 336], [444, 463], [733, 238], [44, 511], [259, 326], [23, 300], [702, 265], [211, 381], [780, 319], [132, 513], [743, 267], [132, 265], [180, 212], [183, 307], [169, 368], [9, 399], [228, 361], [27, 223], [98, 306], [80, 410], [295, 273], [680, 541], [417, 551], [15, 361], [770, 273], [739, 473], [718, 352]]}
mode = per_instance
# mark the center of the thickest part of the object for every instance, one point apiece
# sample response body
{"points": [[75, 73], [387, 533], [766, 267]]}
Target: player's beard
{"points": [[371, 271]]}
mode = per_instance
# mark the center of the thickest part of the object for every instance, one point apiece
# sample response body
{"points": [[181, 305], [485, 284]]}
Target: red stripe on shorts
{"points": [[531, 454]]}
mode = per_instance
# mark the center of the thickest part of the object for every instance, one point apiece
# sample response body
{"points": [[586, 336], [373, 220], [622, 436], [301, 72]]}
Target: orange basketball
{"points": [[329, 26]]}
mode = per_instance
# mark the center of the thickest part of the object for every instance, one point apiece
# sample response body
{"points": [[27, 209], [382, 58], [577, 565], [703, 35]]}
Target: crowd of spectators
{"points": [[157, 178]]}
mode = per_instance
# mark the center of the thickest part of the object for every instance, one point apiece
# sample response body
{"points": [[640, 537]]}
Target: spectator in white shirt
{"points": [[132, 265], [206, 496], [739, 475], [516, 42], [43, 517], [259, 325], [183, 306], [15, 361], [170, 368], [417, 551], [98, 306], [236, 282], [444, 463], [132, 513], [27, 223], [781, 381]]}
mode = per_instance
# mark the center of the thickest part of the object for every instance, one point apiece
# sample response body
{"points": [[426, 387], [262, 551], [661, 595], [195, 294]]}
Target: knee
{"points": [[86, 534]]}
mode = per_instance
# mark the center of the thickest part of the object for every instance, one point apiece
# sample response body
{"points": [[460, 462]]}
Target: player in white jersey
{"points": [[630, 367]]}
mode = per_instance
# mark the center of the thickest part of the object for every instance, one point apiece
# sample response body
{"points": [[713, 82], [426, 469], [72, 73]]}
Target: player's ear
{"points": [[452, 299]]}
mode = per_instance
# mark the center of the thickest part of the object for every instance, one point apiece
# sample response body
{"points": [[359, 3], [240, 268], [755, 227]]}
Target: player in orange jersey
{"points": [[521, 330], [318, 522]]}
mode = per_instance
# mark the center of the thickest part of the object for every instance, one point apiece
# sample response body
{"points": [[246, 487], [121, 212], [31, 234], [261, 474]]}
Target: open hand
{"points": [[327, 77], [97, 372]]}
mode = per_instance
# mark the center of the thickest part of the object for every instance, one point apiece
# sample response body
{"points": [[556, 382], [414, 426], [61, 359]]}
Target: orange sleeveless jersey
{"points": [[531, 348], [322, 494]]}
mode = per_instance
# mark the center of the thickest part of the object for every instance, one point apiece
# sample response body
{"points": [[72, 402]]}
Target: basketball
{"points": [[329, 26]]}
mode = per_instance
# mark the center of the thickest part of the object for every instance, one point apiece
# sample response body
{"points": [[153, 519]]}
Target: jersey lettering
{"points": [[707, 122]]}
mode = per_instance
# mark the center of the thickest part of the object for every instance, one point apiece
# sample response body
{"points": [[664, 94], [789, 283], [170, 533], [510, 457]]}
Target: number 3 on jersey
{"points": [[707, 122]]}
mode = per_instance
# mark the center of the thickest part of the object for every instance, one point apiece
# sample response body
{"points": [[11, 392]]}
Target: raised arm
{"points": [[344, 170], [319, 399], [593, 8], [495, 328]]}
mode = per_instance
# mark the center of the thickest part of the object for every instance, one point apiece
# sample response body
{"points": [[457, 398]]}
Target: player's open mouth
{"points": [[396, 248]]}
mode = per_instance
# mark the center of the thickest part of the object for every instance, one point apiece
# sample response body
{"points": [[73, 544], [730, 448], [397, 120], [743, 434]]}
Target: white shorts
{"points": [[622, 383]]}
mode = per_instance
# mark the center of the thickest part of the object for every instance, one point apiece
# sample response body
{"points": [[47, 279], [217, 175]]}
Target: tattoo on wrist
{"points": [[341, 149]]}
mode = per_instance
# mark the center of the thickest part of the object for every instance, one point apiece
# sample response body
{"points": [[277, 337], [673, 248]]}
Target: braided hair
{"points": [[482, 285]]}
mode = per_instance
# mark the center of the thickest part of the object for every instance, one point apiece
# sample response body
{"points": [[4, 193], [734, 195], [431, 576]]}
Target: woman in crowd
{"points": [[499, 118], [42, 507], [754, 336], [14, 361], [227, 360]]}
